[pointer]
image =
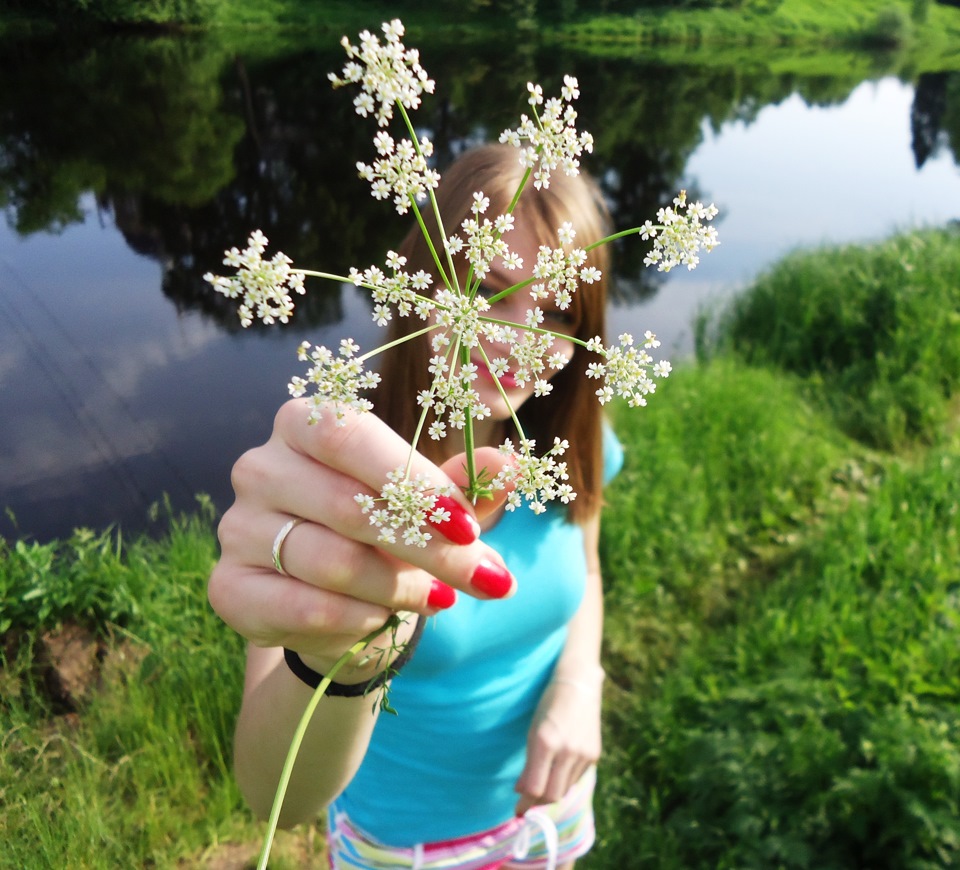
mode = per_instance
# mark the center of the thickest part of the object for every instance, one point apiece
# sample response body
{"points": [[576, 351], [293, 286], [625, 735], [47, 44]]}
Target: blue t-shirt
{"points": [[446, 765]]}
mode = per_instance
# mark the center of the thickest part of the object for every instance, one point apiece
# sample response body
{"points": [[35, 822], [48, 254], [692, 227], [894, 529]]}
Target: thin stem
{"points": [[449, 282], [468, 439], [521, 186], [433, 205], [397, 341], [503, 393], [614, 236], [509, 291], [343, 279], [393, 622], [416, 439]]}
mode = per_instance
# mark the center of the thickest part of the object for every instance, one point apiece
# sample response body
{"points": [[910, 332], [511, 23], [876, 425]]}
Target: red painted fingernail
{"points": [[459, 527], [441, 596], [492, 580]]}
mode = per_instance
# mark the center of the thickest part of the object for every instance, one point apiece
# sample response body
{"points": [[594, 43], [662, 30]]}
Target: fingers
{"points": [[319, 557], [302, 617], [553, 767], [339, 581], [316, 471], [488, 459]]}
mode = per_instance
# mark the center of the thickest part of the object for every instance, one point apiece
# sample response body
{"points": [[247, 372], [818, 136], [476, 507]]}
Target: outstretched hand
{"points": [[340, 582]]}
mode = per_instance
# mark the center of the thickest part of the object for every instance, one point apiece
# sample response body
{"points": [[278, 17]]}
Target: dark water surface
{"points": [[128, 164]]}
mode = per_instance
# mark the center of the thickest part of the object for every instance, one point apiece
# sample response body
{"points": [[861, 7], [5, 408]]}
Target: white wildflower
{"points": [[683, 231], [397, 292], [408, 504], [534, 479], [400, 170], [625, 371], [388, 73], [263, 286], [550, 139], [337, 381], [558, 272]]}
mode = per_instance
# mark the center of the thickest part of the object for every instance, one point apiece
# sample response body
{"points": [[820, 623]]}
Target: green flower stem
{"points": [[537, 329], [433, 204], [392, 623], [631, 232], [416, 438], [509, 291], [450, 282], [521, 186], [343, 279], [503, 392], [473, 490], [397, 341]]}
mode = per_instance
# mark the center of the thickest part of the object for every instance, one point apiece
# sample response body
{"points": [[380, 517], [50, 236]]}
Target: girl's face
{"points": [[514, 308]]}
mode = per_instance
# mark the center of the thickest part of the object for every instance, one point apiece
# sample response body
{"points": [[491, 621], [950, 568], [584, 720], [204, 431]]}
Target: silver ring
{"points": [[288, 526]]}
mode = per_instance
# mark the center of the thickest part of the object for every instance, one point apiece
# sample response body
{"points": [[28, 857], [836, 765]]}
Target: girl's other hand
{"points": [[563, 742]]}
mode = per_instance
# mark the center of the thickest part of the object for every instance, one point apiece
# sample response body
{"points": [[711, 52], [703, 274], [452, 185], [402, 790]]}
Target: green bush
{"points": [[877, 327], [822, 730]]}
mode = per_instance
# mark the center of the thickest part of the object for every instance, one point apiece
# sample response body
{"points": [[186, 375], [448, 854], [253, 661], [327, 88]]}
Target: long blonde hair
{"points": [[571, 410]]}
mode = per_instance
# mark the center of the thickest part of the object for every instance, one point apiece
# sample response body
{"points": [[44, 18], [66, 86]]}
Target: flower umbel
{"points": [[263, 285], [408, 504], [401, 170], [681, 234], [551, 136], [388, 73], [536, 479], [338, 381]]}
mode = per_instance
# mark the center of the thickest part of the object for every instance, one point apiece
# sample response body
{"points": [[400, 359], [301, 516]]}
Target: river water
{"points": [[126, 167]]}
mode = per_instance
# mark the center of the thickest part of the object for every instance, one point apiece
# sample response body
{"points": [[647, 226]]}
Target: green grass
{"points": [[782, 613], [821, 728]]}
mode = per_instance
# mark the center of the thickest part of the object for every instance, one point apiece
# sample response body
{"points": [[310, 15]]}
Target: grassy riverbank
{"points": [[782, 614], [874, 24]]}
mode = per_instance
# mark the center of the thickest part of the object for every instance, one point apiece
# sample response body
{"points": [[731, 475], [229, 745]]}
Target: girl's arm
{"points": [[332, 749], [564, 739]]}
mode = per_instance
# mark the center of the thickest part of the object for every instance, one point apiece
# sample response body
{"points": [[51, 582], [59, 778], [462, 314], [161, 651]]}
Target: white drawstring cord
{"points": [[418, 856], [551, 839]]}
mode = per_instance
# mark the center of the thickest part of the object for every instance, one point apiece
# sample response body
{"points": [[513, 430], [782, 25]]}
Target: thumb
{"points": [[491, 462]]}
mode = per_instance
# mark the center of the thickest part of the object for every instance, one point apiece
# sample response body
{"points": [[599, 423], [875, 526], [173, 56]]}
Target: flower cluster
{"points": [[551, 135], [534, 479], [263, 285], [408, 505], [401, 170], [388, 73], [484, 240], [339, 380], [461, 322], [681, 234], [559, 271], [400, 290], [625, 369]]}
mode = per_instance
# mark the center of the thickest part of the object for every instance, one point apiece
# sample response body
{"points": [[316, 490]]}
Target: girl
{"points": [[490, 760]]}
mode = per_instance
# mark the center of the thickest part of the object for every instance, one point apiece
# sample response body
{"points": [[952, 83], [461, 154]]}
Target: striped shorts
{"points": [[543, 838]]}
